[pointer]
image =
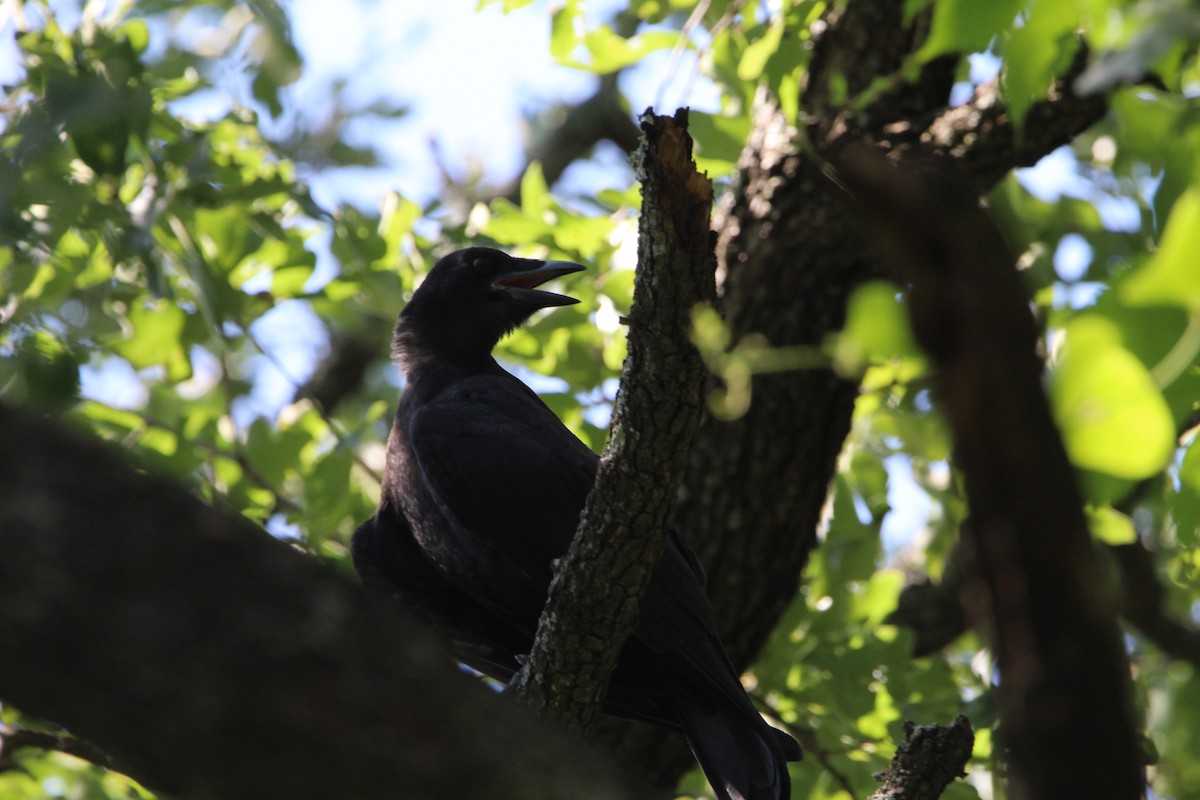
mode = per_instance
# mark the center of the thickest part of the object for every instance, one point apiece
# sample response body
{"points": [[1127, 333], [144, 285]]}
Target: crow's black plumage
{"points": [[482, 491]]}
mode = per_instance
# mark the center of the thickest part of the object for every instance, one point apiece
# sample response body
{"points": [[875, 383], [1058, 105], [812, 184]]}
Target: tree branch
{"points": [[1064, 693], [980, 133], [594, 598], [213, 660], [930, 758], [934, 612], [1143, 603], [14, 739], [789, 257]]}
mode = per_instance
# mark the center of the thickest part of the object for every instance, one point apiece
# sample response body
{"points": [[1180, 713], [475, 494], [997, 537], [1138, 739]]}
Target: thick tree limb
{"points": [[594, 598], [789, 257], [216, 661], [1064, 693], [790, 260]]}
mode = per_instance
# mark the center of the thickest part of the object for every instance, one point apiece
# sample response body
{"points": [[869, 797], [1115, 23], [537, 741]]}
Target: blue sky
{"points": [[467, 75]]}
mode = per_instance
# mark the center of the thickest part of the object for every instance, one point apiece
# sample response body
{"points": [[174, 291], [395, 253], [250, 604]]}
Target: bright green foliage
{"points": [[1113, 418], [1170, 276], [963, 26], [1038, 51], [1111, 526], [145, 250], [876, 332], [601, 49]]}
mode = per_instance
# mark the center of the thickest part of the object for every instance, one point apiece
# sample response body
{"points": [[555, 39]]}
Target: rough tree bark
{"points": [[790, 255], [930, 758], [594, 598]]}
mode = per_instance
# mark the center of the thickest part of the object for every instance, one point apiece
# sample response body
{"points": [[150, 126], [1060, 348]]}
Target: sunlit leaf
{"points": [[719, 141], [506, 5], [1113, 418], [564, 29], [1111, 526], [137, 33], [876, 329], [608, 51], [1036, 53], [157, 339], [535, 194], [754, 58], [510, 225], [966, 26], [1171, 276], [1189, 470]]}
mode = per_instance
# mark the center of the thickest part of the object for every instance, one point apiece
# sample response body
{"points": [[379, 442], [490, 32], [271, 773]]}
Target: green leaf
{"points": [[879, 597], [1113, 418], [720, 139], [609, 51], [564, 30], [1036, 53], [876, 329], [49, 372], [510, 225], [1159, 130], [137, 33], [157, 339], [535, 194], [1171, 276], [505, 5], [1110, 526], [1164, 340], [290, 281], [967, 26], [754, 58], [584, 235], [1189, 469]]}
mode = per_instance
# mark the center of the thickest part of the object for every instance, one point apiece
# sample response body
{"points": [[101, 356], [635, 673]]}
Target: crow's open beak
{"points": [[520, 283]]}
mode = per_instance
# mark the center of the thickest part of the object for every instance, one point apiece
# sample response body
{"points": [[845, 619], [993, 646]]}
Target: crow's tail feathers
{"points": [[742, 756]]}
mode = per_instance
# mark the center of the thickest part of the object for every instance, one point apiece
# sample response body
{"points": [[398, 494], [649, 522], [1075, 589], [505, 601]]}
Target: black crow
{"points": [[482, 492]]}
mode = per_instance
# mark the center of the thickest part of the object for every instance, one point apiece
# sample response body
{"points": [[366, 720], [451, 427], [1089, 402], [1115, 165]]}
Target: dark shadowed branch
{"points": [[213, 660], [934, 613], [980, 133], [1036, 582], [789, 257]]}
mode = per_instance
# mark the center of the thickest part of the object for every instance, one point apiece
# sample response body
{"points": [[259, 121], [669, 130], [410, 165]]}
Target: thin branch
{"points": [[1143, 598], [930, 758], [19, 738]]}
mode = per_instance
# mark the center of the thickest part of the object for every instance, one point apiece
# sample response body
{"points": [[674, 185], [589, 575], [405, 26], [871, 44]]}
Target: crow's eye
{"points": [[484, 268]]}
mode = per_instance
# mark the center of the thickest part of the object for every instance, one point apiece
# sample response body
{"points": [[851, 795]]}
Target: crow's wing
{"points": [[390, 562], [510, 480]]}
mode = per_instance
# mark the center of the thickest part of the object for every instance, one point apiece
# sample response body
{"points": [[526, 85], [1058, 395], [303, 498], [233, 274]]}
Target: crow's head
{"points": [[470, 299]]}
